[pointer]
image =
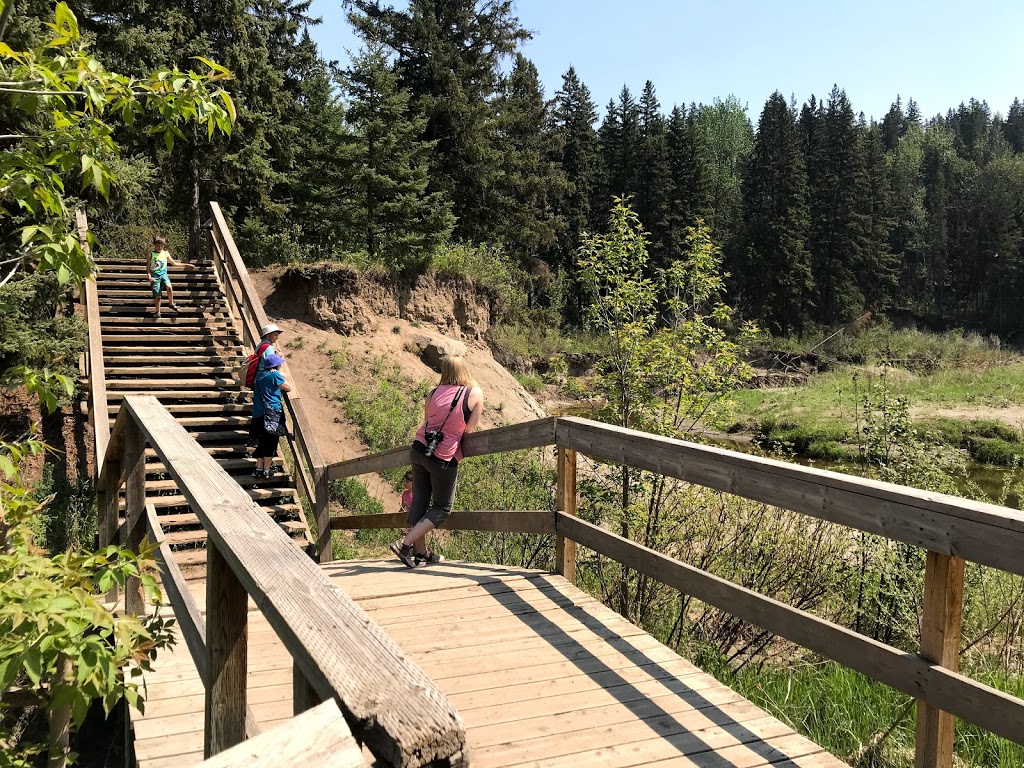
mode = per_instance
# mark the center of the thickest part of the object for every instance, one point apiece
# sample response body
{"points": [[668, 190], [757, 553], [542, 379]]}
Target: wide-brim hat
{"points": [[272, 361], [270, 328]]}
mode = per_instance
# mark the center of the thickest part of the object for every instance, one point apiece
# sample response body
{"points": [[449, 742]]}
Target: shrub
{"points": [[531, 382]]}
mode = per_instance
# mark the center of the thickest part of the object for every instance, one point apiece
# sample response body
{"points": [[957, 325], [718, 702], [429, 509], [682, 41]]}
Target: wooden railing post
{"points": [[565, 549], [134, 507], [227, 639], [940, 644], [322, 514], [304, 696]]}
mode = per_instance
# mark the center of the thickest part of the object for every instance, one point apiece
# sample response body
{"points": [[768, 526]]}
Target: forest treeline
{"points": [[440, 129]]}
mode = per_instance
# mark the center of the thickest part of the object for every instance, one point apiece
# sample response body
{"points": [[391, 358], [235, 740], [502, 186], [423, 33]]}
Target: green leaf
{"points": [[229, 104], [66, 21], [32, 663]]}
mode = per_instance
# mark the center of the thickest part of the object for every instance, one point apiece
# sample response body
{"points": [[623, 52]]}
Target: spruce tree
{"points": [[531, 180], [250, 172], [448, 56], [397, 220], [619, 137], [775, 267], [654, 183], [836, 177], [877, 268], [574, 116], [690, 168], [1013, 127]]}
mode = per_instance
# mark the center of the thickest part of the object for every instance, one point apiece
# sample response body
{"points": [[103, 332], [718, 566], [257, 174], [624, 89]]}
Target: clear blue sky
{"points": [[940, 52]]}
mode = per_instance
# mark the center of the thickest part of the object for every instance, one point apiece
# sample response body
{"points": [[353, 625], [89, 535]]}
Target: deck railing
{"points": [[950, 529], [338, 652], [247, 311]]}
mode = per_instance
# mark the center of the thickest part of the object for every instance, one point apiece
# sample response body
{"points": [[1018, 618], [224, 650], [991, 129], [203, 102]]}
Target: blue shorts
{"points": [[159, 283]]}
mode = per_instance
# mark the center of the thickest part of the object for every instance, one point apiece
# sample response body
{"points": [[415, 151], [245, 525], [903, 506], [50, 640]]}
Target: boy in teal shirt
{"points": [[159, 258]]}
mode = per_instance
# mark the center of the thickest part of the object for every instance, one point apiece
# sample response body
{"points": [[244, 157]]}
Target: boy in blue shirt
{"points": [[267, 402], [159, 258]]}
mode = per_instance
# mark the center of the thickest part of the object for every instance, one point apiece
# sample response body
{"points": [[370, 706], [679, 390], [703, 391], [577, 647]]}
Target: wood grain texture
{"points": [[981, 704], [514, 521], [983, 533], [941, 620], [565, 501], [190, 622], [394, 708], [320, 738], [513, 437], [227, 640]]}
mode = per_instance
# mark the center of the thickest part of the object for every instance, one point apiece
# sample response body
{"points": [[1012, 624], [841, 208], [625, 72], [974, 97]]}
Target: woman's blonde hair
{"points": [[455, 371]]}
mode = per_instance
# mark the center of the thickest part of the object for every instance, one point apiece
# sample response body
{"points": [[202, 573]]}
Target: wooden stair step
{"points": [[227, 464], [198, 536], [190, 558], [196, 394], [197, 383], [279, 482], [197, 422], [235, 450], [196, 342], [183, 302], [182, 519], [171, 358], [242, 408], [171, 369], [256, 494]]}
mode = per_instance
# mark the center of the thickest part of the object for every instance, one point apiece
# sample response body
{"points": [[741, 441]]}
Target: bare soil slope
{"points": [[309, 351]]}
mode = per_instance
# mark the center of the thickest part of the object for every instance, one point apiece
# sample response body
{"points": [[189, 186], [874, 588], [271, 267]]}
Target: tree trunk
{"points": [[60, 718]]}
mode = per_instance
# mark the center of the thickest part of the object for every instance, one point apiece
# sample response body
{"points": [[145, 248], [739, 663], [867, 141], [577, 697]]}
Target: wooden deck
{"points": [[542, 673]]}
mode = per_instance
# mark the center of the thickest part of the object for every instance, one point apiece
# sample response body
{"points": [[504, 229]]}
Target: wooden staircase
{"points": [[186, 360]]}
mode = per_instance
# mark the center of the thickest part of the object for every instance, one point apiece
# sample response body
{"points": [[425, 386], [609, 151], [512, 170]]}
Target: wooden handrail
{"points": [[245, 305], [981, 704], [319, 738], [982, 533], [393, 707], [951, 529], [513, 437], [94, 367], [186, 609], [506, 521]]}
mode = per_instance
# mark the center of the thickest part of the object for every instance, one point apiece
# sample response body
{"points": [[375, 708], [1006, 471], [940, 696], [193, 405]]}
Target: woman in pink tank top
{"points": [[451, 411]]}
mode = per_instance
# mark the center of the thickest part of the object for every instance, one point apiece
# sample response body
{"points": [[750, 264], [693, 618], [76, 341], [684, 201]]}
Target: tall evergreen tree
{"points": [[532, 179], [836, 178], [654, 185], [1013, 127], [250, 171], [448, 56], [775, 268], [397, 220], [574, 116], [876, 270], [690, 168], [619, 137]]}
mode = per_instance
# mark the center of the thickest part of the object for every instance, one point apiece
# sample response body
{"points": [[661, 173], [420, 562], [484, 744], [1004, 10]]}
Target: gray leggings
{"points": [[433, 488]]}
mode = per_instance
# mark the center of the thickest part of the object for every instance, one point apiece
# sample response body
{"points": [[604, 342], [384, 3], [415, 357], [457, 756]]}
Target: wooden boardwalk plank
{"points": [[542, 674]]}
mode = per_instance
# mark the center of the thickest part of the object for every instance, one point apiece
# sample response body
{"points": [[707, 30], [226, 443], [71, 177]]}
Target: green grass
{"points": [[818, 420], [913, 349], [531, 382], [847, 713], [539, 341]]}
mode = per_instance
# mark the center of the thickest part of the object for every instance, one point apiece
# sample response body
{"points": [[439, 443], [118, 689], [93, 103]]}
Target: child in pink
{"points": [[406, 493]]}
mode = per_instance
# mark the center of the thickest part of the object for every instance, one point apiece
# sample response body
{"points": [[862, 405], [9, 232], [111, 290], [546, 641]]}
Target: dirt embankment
{"points": [[337, 323], [339, 298]]}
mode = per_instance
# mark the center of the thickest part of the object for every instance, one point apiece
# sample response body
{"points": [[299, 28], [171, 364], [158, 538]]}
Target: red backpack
{"points": [[249, 367]]}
